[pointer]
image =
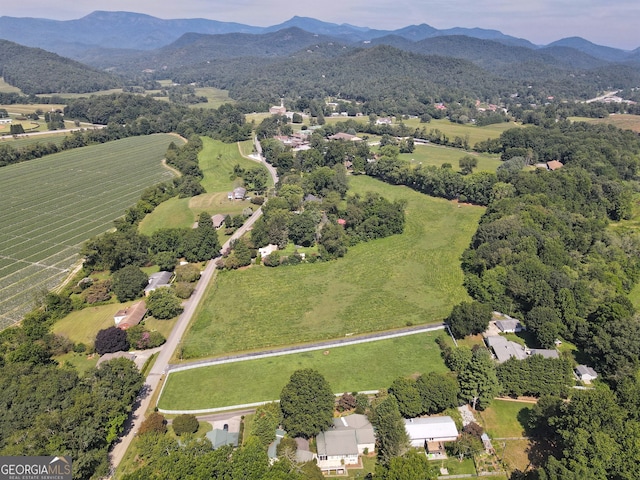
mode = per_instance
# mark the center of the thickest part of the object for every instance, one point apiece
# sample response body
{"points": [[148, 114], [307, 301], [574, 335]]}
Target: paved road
{"points": [[162, 362]]}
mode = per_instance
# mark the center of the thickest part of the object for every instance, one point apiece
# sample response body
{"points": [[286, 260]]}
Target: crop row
{"points": [[51, 205]]}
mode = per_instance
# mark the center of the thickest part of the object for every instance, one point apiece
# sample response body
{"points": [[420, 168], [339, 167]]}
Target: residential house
{"points": [[278, 109], [510, 325], [5, 121], [345, 136], [504, 349], [554, 165], [218, 220], [545, 352], [130, 316], [383, 121], [157, 280], [431, 433], [220, 437], [238, 193], [341, 446], [269, 249], [586, 374], [273, 446]]}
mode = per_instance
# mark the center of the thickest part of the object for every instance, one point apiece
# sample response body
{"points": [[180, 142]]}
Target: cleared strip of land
{"points": [[367, 366], [50, 206]]}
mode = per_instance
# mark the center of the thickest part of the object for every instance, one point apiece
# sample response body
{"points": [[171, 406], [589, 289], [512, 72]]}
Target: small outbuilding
{"points": [[218, 220], [585, 374], [510, 325]]}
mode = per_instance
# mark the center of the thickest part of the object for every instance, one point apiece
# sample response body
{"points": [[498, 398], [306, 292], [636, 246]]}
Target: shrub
{"points": [[79, 348], [257, 200], [111, 340], [272, 260], [153, 423], [163, 304], [141, 338], [346, 402], [183, 289], [187, 273], [98, 292], [185, 424], [473, 429]]}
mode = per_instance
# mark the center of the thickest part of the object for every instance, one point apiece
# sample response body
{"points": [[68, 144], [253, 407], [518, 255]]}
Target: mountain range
{"points": [[102, 30]]}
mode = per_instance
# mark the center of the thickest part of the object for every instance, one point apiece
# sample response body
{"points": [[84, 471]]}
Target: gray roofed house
{"points": [[220, 437], [545, 352], [273, 446], [110, 356], [218, 220], [586, 374], [350, 437], [504, 349], [510, 325], [158, 280]]}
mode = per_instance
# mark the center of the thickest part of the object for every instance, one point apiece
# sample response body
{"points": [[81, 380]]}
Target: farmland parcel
{"points": [[50, 206]]}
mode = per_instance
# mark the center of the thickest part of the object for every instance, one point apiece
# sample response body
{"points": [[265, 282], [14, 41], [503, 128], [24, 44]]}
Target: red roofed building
{"points": [[554, 165], [130, 316]]}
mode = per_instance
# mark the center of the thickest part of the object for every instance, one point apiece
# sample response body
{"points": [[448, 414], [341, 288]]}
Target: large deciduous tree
{"points": [[129, 283], [163, 304], [111, 340], [406, 394], [438, 391], [306, 403], [468, 318]]}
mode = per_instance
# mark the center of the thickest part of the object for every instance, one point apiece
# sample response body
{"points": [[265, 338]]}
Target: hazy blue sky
{"points": [[606, 22]]}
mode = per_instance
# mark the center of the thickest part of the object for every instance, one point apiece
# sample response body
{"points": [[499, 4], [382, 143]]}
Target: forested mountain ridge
{"points": [[34, 70], [126, 30]]}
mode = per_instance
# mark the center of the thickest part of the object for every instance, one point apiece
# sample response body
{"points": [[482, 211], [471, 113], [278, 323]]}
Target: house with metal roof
{"points": [[431, 433], [585, 374]]}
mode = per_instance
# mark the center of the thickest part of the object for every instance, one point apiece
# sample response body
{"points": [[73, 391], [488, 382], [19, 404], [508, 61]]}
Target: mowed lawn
{"points": [[408, 279], [82, 326], [367, 366], [505, 421], [475, 134], [217, 160], [437, 155], [50, 206]]}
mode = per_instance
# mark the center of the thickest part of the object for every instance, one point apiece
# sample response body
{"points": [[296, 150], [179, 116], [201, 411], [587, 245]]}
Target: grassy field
{"points": [[476, 134], [505, 421], [624, 121], [215, 97], [50, 206], [437, 155], [6, 88], [367, 366], [82, 326], [25, 108], [412, 278], [217, 160]]}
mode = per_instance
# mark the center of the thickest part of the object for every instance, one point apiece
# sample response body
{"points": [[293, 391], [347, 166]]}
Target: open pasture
{"points": [[215, 97], [25, 108], [412, 278], [437, 155], [6, 88], [476, 134], [44, 139], [50, 206], [366, 366], [623, 121], [216, 160]]}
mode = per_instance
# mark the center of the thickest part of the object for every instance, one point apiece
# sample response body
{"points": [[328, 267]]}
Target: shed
{"points": [[586, 374]]}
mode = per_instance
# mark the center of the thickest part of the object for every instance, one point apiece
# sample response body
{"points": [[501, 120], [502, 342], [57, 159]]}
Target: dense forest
{"points": [[33, 71]]}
